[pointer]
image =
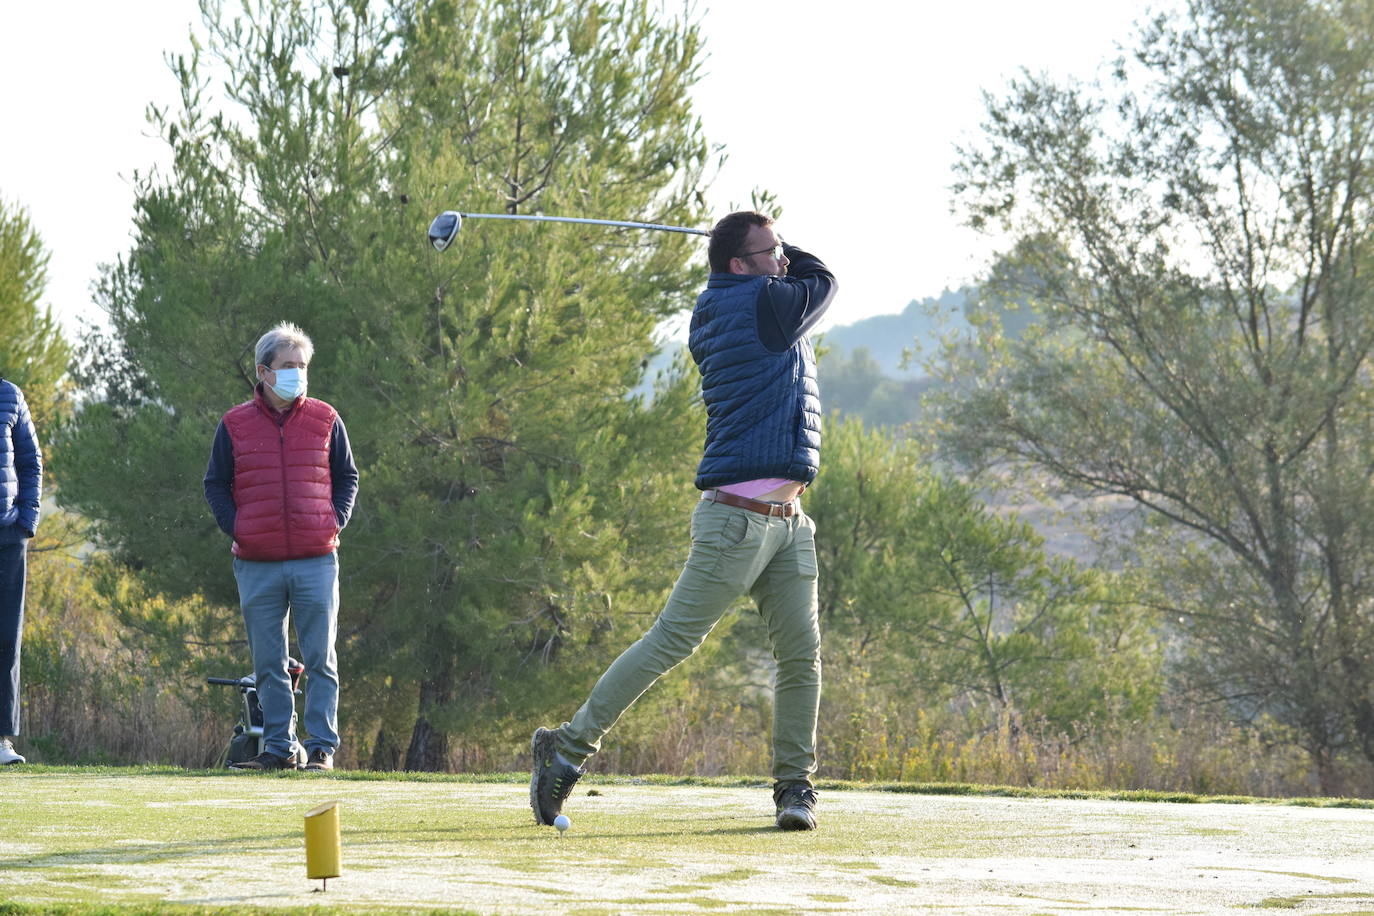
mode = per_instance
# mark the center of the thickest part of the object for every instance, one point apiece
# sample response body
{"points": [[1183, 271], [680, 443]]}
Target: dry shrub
{"points": [[108, 678], [90, 694]]}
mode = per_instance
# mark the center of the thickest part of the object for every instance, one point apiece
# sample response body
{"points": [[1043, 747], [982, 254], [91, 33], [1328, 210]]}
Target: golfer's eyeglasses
{"points": [[775, 252]]}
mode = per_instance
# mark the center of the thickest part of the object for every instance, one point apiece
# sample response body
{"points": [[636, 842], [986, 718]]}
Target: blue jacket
{"points": [[21, 467], [758, 373]]}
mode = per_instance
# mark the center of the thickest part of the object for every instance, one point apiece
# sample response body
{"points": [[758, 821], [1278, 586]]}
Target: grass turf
{"points": [[130, 841], [743, 782]]}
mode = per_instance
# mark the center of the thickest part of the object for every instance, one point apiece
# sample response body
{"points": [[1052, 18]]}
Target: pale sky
{"points": [[848, 111]]}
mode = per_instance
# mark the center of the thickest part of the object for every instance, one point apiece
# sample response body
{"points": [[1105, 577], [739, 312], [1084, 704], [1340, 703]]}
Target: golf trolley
{"points": [[247, 741]]}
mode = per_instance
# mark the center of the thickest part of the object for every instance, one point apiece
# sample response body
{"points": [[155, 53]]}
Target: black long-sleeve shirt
{"points": [[788, 307], [219, 477]]}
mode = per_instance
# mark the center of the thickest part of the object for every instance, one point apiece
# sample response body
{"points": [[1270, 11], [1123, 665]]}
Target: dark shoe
{"points": [[265, 761], [550, 781], [320, 760], [796, 803]]}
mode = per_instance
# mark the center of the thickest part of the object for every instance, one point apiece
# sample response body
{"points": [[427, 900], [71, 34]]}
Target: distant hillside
{"points": [[886, 336], [883, 336], [862, 369]]}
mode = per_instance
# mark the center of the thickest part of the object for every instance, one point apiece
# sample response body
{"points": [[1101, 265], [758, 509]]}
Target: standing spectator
{"points": [[281, 482], [21, 488]]}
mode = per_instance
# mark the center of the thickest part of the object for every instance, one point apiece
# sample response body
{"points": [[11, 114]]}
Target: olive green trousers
{"points": [[734, 551]]}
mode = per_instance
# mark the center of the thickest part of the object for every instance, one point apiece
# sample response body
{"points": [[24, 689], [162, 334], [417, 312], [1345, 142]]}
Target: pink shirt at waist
{"points": [[752, 489]]}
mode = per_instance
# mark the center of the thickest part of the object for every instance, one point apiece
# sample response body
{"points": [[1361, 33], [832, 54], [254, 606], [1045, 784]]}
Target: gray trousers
{"points": [[734, 552], [309, 590]]}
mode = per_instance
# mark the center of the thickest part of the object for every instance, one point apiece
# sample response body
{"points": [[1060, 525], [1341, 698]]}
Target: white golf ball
{"points": [[562, 822]]}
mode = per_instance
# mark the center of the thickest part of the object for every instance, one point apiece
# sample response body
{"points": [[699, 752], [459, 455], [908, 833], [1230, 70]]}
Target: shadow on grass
{"points": [[321, 908], [524, 831], [143, 854], [151, 853], [669, 834]]}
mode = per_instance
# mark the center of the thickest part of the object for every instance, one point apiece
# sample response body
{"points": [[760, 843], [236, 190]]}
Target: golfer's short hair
{"points": [[727, 237], [283, 337]]}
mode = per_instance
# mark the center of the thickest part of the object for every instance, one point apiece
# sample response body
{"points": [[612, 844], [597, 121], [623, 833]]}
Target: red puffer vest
{"points": [[282, 487]]}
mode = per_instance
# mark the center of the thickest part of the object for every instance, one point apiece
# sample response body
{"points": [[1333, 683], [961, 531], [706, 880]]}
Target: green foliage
{"points": [[33, 353], [1199, 249], [932, 598], [504, 469]]}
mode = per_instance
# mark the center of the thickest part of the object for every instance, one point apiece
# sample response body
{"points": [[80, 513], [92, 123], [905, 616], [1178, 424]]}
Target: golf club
{"points": [[445, 227]]}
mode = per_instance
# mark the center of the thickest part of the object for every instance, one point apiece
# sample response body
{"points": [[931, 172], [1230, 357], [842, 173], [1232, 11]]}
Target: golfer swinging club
{"points": [[749, 534]]}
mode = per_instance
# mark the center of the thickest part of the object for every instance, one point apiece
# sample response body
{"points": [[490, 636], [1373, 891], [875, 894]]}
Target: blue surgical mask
{"points": [[290, 384]]}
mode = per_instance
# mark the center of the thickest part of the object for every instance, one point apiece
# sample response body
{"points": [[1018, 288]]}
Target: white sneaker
{"points": [[8, 753]]}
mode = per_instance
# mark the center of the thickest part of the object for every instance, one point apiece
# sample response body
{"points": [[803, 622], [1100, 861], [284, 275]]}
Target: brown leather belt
{"points": [[781, 510]]}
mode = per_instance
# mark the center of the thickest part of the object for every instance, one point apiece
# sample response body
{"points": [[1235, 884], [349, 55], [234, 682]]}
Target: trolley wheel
{"points": [[241, 748]]}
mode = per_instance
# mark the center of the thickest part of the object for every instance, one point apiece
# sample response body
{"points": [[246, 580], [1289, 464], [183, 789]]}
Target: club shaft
{"points": [[592, 222]]}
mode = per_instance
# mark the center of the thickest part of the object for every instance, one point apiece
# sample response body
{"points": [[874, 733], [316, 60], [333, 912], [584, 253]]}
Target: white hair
{"points": [[283, 337]]}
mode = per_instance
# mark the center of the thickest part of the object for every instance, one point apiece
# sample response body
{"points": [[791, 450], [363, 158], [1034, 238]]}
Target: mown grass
{"points": [[167, 909], [158, 840], [730, 782]]}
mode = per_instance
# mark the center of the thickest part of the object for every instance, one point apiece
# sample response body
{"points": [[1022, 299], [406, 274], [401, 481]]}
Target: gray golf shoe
{"points": [[796, 803], [551, 781]]}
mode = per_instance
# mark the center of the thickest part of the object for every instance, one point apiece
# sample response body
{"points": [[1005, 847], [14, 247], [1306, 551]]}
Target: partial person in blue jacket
{"points": [[21, 489], [749, 533]]}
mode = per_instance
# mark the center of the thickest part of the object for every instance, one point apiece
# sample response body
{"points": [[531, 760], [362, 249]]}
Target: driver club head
{"points": [[444, 229]]}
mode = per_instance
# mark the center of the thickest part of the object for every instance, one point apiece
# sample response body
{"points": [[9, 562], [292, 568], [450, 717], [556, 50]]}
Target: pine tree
{"points": [[506, 471], [33, 352]]}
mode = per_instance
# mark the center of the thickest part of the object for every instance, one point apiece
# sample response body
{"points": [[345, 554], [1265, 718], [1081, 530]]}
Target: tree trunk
{"points": [[429, 746], [1327, 778], [386, 753]]}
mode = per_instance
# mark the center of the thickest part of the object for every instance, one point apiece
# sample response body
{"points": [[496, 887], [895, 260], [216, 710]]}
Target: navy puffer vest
{"points": [[763, 409], [21, 467]]}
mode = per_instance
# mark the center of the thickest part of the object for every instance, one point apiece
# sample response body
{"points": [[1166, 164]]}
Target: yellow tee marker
{"points": [[323, 843]]}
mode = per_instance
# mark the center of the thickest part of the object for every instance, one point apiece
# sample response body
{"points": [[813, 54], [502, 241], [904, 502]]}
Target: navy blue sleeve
{"points": [[219, 481], [788, 307], [343, 473], [28, 465]]}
